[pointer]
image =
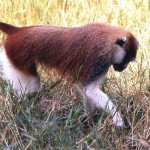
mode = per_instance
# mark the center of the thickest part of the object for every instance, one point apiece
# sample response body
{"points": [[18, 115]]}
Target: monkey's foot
{"points": [[117, 120]]}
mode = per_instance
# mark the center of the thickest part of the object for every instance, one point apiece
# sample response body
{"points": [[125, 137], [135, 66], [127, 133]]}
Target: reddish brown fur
{"points": [[67, 49]]}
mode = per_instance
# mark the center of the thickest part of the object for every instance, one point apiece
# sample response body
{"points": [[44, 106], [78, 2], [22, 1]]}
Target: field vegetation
{"points": [[54, 119]]}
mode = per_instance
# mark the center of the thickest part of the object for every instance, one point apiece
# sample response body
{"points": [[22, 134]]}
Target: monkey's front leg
{"points": [[101, 100]]}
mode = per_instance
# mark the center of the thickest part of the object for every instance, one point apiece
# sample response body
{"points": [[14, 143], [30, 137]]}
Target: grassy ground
{"points": [[58, 120]]}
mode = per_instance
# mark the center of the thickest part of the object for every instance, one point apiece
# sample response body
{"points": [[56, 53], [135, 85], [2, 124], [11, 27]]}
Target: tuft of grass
{"points": [[54, 118]]}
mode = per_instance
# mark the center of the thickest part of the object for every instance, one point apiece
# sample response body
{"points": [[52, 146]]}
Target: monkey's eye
{"points": [[121, 41]]}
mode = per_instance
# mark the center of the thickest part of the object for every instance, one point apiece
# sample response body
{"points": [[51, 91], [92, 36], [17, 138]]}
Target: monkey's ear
{"points": [[121, 41]]}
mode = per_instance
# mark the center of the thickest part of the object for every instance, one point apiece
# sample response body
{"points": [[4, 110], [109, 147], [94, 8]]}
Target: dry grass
{"points": [[58, 121]]}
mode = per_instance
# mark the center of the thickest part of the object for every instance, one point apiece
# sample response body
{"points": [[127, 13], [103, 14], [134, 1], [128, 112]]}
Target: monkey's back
{"points": [[70, 50]]}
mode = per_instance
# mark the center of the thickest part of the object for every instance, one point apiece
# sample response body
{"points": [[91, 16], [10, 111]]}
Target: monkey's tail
{"points": [[7, 28]]}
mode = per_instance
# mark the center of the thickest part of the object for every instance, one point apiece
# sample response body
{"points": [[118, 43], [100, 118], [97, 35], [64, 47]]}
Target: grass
{"points": [[58, 121]]}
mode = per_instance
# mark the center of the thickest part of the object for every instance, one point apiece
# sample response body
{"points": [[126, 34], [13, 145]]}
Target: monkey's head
{"points": [[125, 51]]}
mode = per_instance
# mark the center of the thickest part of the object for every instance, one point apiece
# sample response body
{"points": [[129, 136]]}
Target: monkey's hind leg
{"points": [[22, 83]]}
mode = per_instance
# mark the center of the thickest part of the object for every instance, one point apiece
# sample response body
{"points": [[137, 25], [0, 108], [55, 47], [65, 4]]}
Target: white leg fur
{"points": [[22, 83], [101, 100], [85, 101]]}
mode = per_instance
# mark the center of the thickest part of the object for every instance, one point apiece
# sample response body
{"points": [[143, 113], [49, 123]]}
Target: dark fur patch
{"points": [[99, 68], [121, 41]]}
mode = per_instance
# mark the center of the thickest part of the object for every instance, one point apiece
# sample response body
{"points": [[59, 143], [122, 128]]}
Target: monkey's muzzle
{"points": [[119, 67]]}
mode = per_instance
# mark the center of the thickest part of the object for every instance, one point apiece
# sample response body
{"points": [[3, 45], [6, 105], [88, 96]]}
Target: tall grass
{"points": [[58, 121]]}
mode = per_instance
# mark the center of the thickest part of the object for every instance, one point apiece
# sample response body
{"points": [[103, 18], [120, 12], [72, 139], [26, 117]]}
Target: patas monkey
{"points": [[91, 48]]}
